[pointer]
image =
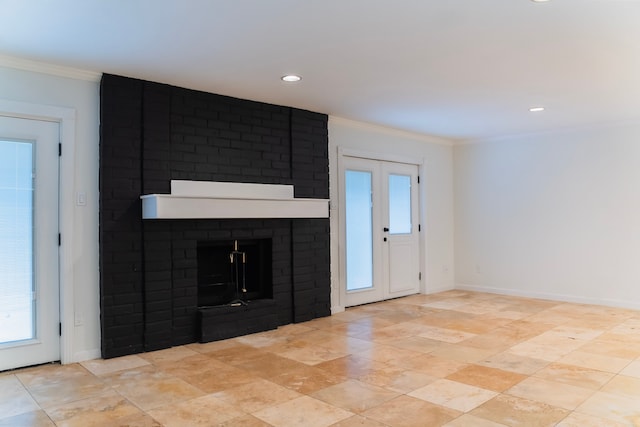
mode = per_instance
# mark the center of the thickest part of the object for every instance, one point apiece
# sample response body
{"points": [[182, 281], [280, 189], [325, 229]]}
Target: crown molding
{"points": [[433, 139], [46, 68]]}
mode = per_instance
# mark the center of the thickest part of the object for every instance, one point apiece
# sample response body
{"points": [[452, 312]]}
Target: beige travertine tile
{"points": [[397, 379], [613, 407], [576, 419], [244, 421], [433, 365], [238, 354], [546, 349], [265, 339], [515, 411], [467, 420], [202, 411], [149, 388], [574, 332], [388, 354], [313, 337], [462, 353], [632, 370], [398, 315], [303, 411], [454, 395], [345, 344], [514, 363], [207, 374], [269, 364], [214, 346], [365, 360], [624, 386], [139, 420], [354, 395], [447, 335], [398, 330], [358, 421], [169, 355], [630, 327], [492, 340], [486, 377], [351, 366], [522, 330], [256, 395], [52, 385], [307, 379], [557, 394], [406, 411], [311, 355], [418, 344], [14, 398], [31, 419], [103, 367], [575, 375], [446, 304], [107, 409], [595, 361], [619, 349], [371, 321]]}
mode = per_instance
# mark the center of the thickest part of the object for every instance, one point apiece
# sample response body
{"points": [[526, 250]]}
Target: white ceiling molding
{"points": [[393, 131], [52, 69]]}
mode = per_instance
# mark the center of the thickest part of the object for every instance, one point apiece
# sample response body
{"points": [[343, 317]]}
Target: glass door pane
{"points": [[359, 230], [16, 241], [399, 204]]}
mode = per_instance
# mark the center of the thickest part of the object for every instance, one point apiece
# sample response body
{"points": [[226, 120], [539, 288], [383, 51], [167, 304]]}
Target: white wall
{"points": [[436, 195], [552, 215], [82, 95]]}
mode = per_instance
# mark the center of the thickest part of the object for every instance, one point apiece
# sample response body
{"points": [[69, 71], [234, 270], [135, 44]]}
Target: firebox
{"points": [[234, 272]]}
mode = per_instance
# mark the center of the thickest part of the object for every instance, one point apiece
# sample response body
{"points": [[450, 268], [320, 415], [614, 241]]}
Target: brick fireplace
{"points": [[149, 277]]}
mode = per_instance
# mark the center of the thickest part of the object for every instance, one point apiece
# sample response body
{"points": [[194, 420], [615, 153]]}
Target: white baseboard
{"points": [[437, 289], [634, 305]]}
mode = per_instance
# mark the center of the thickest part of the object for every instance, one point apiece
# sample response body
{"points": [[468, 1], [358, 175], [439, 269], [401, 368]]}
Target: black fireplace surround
{"points": [[151, 133]]}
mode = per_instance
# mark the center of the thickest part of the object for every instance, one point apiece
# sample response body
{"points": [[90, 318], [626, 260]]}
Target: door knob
{"points": [[385, 229]]}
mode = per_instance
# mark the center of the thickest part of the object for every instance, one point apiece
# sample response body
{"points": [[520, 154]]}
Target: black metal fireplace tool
{"points": [[237, 258]]}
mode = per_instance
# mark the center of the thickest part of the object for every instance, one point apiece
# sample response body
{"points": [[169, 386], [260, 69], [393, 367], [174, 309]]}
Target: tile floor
{"points": [[455, 359]]}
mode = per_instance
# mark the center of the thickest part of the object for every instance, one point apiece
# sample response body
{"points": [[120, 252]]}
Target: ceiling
{"points": [[460, 69]]}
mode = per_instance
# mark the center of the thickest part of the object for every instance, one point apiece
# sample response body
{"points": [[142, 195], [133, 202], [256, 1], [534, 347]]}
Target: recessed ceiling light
{"points": [[536, 109], [539, 1], [291, 78]]}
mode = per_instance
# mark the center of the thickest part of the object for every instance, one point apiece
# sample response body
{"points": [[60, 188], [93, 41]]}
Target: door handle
{"points": [[385, 229]]}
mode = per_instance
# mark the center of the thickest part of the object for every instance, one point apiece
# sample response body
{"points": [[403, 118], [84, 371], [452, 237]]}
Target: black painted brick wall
{"points": [[152, 133], [121, 292]]}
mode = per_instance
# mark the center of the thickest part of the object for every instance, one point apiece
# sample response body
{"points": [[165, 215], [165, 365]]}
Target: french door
{"points": [[380, 229], [29, 262]]}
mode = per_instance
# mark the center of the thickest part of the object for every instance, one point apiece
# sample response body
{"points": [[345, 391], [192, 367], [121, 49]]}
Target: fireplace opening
{"points": [[234, 272]]}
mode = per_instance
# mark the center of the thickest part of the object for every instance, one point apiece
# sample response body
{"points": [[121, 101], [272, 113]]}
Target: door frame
{"points": [[340, 281], [66, 119]]}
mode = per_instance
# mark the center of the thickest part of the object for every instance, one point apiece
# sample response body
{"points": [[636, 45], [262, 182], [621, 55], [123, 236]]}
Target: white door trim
{"points": [[336, 209], [66, 117]]}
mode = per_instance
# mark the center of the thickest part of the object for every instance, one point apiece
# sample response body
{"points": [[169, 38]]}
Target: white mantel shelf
{"points": [[200, 200]]}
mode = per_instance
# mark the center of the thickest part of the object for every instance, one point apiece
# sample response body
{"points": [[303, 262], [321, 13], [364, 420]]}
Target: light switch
{"points": [[81, 198]]}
